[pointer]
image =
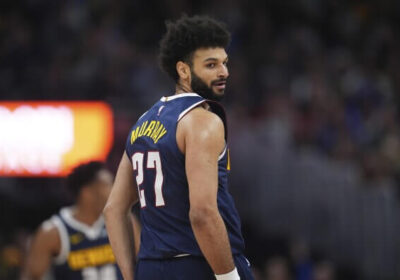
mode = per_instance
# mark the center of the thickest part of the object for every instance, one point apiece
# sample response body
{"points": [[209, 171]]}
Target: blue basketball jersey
{"points": [[85, 251], [159, 169]]}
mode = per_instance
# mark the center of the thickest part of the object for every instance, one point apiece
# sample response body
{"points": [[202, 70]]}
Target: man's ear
{"points": [[183, 70]]}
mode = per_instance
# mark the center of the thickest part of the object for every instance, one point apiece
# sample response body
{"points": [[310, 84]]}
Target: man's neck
{"points": [[179, 88], [86, 214]]}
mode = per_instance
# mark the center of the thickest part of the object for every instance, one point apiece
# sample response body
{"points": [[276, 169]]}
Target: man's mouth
{"points": [[220, 84]]}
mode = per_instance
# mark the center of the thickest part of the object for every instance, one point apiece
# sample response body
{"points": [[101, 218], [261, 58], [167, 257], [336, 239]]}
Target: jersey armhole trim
{"points": [[223, 153], [181, 115], [142, 115], [65, 247]]}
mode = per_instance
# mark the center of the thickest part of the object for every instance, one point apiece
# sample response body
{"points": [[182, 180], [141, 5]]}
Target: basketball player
{"points": [[75, 242], [176, 164]]}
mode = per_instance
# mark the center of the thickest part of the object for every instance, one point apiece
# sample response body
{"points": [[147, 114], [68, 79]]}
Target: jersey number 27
{"points": [[153, 162]]}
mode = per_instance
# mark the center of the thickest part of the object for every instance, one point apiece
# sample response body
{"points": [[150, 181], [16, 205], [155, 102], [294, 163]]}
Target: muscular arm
{"points": [[117, 213], [203, 141], [45, 245]]}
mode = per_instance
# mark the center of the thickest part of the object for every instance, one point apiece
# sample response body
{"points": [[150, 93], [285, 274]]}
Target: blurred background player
{"points": [[178, 152], [74, 242]]}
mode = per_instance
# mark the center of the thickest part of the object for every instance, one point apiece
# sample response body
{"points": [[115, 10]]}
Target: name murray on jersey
{"points": [[153, 129]]}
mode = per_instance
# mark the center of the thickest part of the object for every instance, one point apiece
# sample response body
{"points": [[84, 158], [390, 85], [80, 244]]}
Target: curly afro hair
{"points": [[82, 175], [185, 36]]}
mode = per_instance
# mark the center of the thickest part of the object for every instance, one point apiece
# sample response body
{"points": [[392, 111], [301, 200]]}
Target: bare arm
{"points": [[136, 232], [117, 213], [203, 134], [46, 244]]}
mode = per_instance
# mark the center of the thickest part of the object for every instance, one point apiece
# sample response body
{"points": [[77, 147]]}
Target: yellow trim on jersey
{"points": [[95, 256], [228, 165]]}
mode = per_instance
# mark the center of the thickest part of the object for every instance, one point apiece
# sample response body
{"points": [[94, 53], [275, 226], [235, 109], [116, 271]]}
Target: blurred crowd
{"points": [[313, 109]]}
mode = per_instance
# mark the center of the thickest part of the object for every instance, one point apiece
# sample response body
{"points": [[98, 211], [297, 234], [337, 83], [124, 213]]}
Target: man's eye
{"points": [[211, 65]]}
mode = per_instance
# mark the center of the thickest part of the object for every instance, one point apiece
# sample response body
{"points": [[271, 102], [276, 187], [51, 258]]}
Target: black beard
{"points": [[202, 89]]}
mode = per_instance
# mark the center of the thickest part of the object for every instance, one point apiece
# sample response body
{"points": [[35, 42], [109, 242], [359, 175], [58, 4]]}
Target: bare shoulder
{"points": [[203, 121], [48, 229], [48, 236], [200, 128]]}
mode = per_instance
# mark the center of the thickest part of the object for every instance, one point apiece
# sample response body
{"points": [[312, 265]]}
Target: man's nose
{"points": [[223, 72]]}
